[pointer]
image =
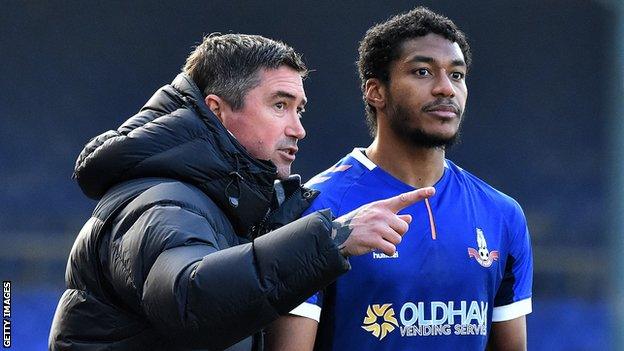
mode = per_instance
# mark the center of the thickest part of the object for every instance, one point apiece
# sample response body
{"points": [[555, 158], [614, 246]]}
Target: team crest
{"points": [[483, 256]]}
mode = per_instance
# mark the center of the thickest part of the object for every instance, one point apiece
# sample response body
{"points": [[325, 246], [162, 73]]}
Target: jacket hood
{"points": [[176, 136]]}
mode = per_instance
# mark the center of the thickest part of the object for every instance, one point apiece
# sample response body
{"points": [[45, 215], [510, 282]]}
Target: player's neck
{"points": [[416, 166]]}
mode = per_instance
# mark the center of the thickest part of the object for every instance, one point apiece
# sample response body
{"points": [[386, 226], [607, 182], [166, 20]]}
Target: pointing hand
{"points": [[376, 226]]}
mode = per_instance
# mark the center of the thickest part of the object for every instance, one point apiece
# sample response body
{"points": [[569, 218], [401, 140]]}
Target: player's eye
{"points": [[421, 72], [300, 112], [280, 105], [458, 75]]}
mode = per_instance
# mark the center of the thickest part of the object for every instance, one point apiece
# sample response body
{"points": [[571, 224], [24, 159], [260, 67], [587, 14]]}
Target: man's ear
{"points": [[375, 93], [216, 105]]}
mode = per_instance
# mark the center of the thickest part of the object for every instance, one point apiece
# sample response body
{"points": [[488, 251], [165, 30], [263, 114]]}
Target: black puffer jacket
{"points": [[167, 261]]}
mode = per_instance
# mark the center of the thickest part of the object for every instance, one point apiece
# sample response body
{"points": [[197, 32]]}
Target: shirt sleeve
{"points": [[513, 298], [311, 308]]}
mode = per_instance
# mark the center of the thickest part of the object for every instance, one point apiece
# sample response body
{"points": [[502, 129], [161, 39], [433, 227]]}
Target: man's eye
{"points": [[457, 75], [300, 112], [280, 105], [421, 72]]}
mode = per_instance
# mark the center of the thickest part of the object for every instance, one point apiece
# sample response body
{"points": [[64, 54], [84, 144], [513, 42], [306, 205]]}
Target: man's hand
{"points": [[376, 226]]}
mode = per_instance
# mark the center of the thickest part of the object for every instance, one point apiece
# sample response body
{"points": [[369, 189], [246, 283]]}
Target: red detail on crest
{"points": [[493, 256]]}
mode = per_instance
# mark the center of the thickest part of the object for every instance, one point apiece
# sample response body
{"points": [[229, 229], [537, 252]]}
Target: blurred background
{"points": [[543, 125]]}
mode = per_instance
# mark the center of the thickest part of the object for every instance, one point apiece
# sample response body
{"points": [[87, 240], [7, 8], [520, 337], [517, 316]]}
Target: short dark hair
{"points": [[228, 65], [382, 43]]}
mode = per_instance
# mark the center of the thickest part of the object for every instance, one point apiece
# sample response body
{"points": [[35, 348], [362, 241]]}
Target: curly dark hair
{"points": [[382, 43], [228, 65]]}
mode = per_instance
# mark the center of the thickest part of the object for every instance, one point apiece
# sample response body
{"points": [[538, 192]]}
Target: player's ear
{"points": [[375, 93]]}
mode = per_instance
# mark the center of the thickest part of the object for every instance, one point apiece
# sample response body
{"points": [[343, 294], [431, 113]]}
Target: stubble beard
{"points": [[283, 171], [399, 120]]}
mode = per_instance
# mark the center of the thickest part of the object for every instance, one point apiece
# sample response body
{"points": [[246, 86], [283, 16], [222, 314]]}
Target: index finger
{"points": [[401, 201]]}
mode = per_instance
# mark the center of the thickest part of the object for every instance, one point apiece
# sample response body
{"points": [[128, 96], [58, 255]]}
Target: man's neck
{"points": [[413, 165]]}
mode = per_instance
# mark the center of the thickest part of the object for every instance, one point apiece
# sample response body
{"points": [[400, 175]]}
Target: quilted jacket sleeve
{"points": [[169, 258]]}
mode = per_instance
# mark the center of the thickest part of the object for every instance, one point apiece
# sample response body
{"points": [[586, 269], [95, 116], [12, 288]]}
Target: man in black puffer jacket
{"points": [[191, 245]]}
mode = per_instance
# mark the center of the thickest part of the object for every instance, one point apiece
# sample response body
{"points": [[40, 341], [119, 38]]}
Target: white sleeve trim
{"points": [[511, 311], [308, 310]]}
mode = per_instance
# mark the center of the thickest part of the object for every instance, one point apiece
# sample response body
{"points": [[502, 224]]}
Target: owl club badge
{"points": [[483, 256]]}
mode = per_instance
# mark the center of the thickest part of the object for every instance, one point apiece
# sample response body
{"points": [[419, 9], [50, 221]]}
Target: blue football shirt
{"points": [[464, 263]]}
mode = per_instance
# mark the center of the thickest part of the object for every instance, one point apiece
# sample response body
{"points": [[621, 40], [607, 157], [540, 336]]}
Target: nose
{"points": [[443, 86], [295, 128]]}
